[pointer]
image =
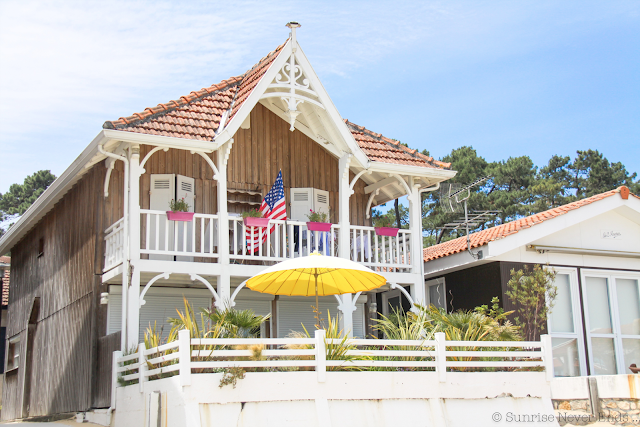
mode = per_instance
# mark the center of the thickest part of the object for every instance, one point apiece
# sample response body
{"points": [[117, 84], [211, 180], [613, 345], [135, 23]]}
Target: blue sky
{"points": [[532, 78]]}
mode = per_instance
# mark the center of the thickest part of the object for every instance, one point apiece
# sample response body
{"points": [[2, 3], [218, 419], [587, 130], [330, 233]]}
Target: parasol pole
{"points": [[317, 308]]}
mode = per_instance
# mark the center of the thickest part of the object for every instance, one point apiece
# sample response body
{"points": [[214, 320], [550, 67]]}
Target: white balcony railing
{"points": [[381, 252], [197, 238], [288, 239], [114, 245], [162, 239]]}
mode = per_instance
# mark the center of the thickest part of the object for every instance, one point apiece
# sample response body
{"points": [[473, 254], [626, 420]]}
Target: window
{"points": [[612, 304], [13, 355], [436, 293], [565, 326]]}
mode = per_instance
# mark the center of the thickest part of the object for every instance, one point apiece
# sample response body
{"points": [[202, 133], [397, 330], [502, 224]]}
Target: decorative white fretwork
{"points": [[293, 88]]}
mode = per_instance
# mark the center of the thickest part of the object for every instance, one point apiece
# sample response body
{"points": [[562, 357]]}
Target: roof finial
{"points": [[293, 25]]}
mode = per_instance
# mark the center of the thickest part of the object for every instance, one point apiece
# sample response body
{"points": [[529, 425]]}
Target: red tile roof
{"points": [[483, 237], [5, 260], [198, 116], [382, 149]]}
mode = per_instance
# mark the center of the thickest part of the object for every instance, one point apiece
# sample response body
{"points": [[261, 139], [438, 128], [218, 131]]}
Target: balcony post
{"points": [[224, 279], [415, 223], [344, 242], [133, 306]]}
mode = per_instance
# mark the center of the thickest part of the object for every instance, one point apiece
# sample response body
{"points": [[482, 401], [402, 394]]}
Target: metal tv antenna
{"points": [[452, 196]]}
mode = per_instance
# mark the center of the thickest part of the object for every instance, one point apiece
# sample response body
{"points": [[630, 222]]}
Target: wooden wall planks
{"points": [[63, 278], [268, 146], [102, 385]]}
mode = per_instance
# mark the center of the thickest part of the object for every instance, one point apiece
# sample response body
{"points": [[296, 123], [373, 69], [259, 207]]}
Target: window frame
{"points": [[611, 276], [436, 282], [13, 350], [576, 308]]}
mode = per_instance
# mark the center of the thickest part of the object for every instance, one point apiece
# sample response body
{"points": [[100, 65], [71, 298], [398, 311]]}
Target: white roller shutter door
{"points": [[294, 312]]}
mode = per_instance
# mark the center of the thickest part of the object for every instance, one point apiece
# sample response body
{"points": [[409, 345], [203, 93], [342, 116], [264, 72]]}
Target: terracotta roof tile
{"points": [[198, 116], [382, 149], [483, 237], [5, 259]]}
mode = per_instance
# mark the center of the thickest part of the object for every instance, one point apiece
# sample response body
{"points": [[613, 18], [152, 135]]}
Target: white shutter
{"points": [[260, 307], [162, 191], [320, 201], [358, 322], [114, 309], [185, 188], [295, 312], [301, 203]]}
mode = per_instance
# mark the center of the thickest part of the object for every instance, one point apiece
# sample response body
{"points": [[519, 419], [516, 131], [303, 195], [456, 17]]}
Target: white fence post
{"points": [[184, 338], [114, 376], [547, 351], [441, 356], [321, 355], [142, 366]]}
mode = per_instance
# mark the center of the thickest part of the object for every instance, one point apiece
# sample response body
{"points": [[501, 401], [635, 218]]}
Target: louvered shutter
{"points": [[161, 193], [185, 188], [159, 308], [301, 203], [294, 312], [320, 201]]}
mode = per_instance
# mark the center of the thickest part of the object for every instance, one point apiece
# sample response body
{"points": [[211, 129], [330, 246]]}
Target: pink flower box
{"points": [[387, 231], [319, 226], [251, 221], [180, 216]]}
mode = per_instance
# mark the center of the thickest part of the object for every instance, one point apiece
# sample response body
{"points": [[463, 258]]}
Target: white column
{"points": [[344, 240], [133, 305], [415, 223], [224, 279]]}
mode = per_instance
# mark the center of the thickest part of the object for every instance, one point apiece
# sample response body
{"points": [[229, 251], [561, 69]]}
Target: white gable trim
{"points": [[266, 80]]}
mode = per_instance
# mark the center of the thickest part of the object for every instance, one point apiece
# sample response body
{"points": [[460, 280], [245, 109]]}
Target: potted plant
{"points": [[253, 218], [179, 211], [318, 221], [384, 227]]}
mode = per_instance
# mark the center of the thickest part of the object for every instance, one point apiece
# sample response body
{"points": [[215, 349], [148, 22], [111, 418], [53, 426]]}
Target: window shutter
{"points": [[162, 191], [185, 187], [320, 201], [301, 203]]}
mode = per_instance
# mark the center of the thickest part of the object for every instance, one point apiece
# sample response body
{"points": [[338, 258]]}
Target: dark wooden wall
{"points": [[472, 287], [102, 381], [64, 280]]}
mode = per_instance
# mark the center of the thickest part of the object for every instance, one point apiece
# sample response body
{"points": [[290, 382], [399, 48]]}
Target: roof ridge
{"points": [[512, 227], [396, 144], [164, 108]]}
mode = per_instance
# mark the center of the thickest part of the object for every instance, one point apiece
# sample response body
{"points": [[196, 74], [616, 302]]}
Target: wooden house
{"points": [[593, 244], [96, 260]]}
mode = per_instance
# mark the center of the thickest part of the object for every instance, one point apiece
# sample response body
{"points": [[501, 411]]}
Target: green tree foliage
{"points": [[518, 188], [533, 292], [20, 196]]}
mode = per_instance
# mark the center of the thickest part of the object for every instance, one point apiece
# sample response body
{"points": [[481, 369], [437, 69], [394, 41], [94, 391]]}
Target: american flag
{"points": [[273, 207]]}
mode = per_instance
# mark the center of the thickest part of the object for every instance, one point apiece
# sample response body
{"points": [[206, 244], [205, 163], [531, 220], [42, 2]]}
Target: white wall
{"points": [[609, 387], [346, 399]]}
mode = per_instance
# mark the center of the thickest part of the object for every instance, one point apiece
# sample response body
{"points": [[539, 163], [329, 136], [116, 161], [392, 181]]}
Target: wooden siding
{"points": [[102, 384], [64, 279], [268, 146]]}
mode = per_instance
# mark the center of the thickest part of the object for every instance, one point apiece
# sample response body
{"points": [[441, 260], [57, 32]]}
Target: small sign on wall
{"points": [[611, 234]]}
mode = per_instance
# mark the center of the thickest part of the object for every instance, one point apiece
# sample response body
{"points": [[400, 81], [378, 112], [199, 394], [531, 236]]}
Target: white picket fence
{"points": [[186, 355]]}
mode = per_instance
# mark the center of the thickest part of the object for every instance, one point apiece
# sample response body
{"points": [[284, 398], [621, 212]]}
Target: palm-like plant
{"points": [[238, 323]]}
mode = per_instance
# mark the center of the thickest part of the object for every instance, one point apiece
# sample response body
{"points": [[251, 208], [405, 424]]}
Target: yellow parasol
{"points": [[317, 275]]}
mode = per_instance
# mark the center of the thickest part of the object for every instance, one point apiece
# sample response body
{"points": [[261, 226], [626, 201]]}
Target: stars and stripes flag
{"points": [[273, 207]]}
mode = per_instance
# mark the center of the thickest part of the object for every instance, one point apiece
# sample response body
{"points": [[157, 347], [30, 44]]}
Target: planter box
{"points": [[251, 221], [319, 226], [180, 216], [387, 231]]}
